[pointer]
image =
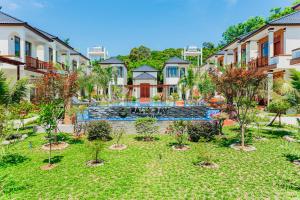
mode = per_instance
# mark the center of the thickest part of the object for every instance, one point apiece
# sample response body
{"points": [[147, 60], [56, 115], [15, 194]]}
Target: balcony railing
{"points": [[36, 64], [259, 62], [295, 57]]}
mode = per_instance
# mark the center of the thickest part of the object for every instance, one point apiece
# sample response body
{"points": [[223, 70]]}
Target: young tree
{"points": [[179, 130], [97, 133], [241, 86], [206, 86], [49, 114]]}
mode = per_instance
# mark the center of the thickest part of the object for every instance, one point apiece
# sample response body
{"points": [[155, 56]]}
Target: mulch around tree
{"points": [[48, 167], [55, 146], [180, 148], [93, 163], [238, 147], [118, 147], [208, 165], [296, 162]]}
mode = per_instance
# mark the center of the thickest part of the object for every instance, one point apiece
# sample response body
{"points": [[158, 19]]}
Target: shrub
{"points": [[12, 159], [178, 129], [99, 130], [175, 96], [14, 136], [133, 99], [156, 98], [146, 126], [198, 130]]}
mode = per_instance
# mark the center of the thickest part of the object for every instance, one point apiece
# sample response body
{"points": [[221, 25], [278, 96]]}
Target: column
{"points": [[54, 53], [239, 54], [248, 49], [284, 42], [22, 55], [68, 60], [226, 58], [22, 47], [271, 43], [253, 50]]}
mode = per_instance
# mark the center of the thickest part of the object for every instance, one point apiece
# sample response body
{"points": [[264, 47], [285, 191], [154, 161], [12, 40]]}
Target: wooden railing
{"points": [[259, 62]]}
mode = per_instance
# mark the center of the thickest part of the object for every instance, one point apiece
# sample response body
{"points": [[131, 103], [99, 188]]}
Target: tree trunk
{"points": [[67, 118], [273, 120], [243, 136], [50, 149], [279, 119], [96, 160]]}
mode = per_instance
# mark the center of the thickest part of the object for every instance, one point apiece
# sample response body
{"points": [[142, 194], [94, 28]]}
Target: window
{"points": [[50, 54], [74, 65], [172, 89], [27, 48], [182, 72], [17, 47], [120, 72], [265, 49], [243, 55], [172, 72], [277, 46]]}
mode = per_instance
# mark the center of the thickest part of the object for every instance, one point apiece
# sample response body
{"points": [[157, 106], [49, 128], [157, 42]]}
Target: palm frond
{"points": [[19, 91], [4, 89]]}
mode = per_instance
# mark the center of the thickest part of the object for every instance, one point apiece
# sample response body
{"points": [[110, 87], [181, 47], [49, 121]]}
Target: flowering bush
{"points": [[179, 130]]}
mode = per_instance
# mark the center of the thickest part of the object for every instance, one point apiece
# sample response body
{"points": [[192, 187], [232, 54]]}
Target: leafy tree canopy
{"points": [[253, 23]]}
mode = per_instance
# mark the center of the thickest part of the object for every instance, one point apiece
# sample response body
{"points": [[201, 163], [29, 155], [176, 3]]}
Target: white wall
{"points": [[292, 39], [173, 80]]}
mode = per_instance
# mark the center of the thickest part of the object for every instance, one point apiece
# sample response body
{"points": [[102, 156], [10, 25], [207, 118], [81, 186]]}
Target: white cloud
{"points": [[9, 5], [38, 4], [13, 5], [231, 2]]}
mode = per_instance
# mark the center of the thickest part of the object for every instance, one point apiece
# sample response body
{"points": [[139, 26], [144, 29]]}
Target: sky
{"points": [[120, 25]]}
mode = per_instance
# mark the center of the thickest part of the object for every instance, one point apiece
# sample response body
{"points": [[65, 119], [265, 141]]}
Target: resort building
{"points": [[119, 70], [174, 70], [97, 53], [144, 82], [26, 51], [273, 46]]}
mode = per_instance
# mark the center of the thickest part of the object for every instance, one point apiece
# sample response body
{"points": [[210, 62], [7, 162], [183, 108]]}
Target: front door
{"points": [[145, 90]]}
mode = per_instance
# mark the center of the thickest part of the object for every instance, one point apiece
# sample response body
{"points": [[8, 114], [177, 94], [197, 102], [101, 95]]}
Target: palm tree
{"points": [[103, 76], [15, 94], [188, 81]]}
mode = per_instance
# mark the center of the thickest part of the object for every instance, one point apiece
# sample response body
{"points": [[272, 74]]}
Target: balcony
{"points": [[36, 65], [259, 62], [295, 57], [281, 61]]}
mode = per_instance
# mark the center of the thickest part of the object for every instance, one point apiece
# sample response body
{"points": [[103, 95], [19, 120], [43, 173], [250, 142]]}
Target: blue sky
{"points": [[123, 24]]}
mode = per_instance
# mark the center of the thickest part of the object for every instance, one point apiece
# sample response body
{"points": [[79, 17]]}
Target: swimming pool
{"points": [[162, 111]]}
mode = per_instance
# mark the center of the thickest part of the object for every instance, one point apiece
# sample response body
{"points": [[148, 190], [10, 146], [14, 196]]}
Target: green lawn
{"points": [[154, 171]]}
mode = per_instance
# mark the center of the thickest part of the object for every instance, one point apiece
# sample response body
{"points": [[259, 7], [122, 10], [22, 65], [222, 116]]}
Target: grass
{"points": [[152, 170]]}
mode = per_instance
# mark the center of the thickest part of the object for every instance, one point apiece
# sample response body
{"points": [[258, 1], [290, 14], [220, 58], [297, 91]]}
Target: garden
{"points": [[257, 156]]}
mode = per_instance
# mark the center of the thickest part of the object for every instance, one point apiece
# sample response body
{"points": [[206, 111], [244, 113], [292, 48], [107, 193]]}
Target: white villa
{"points": [[144, 82], [121, 71], [274, 47], [26, 51], [175, 69]]}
